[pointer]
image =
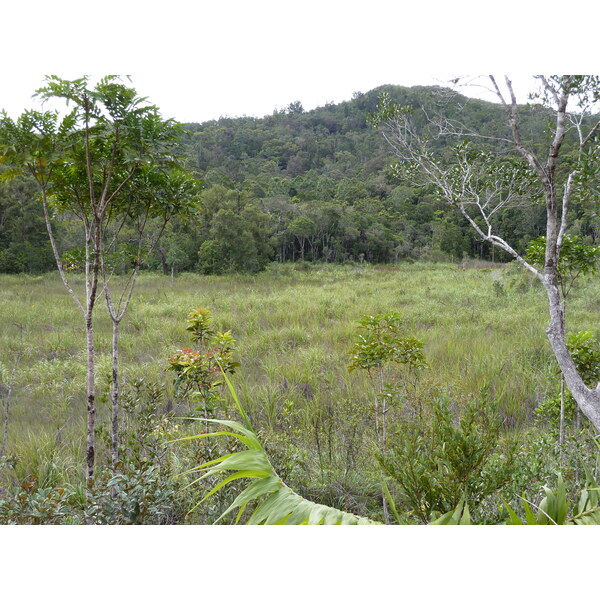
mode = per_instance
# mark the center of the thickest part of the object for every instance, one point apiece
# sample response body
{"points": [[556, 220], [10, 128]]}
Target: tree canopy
{"points": [[329, 166]]}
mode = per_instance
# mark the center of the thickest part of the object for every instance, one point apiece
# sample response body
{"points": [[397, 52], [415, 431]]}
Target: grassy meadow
{"points": [[482, 326]]}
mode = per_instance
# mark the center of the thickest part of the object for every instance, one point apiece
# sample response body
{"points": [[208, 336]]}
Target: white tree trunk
{"points": [[587, 399]]}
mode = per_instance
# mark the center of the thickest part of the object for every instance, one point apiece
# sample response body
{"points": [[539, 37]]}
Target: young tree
{"points": [[379, 349], [108, 162], [151, 195], [480, 182]]}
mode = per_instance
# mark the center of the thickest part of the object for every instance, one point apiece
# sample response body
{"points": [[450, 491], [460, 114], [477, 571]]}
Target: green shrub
{"points": [[29, 505], [549, 410], [540, 459], [441, 459], [133, 496]]}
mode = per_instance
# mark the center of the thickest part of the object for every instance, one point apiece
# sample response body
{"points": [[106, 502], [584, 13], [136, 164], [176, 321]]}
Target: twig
{"points": [[11, 382]]}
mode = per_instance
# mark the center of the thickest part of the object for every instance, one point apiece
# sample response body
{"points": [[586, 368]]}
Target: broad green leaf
{"points": [[276, 503], [513, 518], [530, 518], [459, 516]]}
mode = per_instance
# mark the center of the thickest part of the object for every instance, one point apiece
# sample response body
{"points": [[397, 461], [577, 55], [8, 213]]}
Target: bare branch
{"points": [[549, 88], [56, 253], [498, 92], [589, 136], [115, 193], [565, 210]]}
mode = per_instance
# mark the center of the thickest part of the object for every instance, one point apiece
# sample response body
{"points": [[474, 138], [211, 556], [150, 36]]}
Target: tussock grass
{"points": [[483, 329], [51, 462]]}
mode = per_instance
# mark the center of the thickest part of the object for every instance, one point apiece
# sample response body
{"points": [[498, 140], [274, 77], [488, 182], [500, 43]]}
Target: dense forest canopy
{"points": [[306, 185]]}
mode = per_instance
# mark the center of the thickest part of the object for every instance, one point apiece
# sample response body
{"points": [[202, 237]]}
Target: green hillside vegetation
{"points": [[304, 185]]}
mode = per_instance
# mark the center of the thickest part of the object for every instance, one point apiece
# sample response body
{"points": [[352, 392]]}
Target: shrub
{"points": [[29, 505], [439, 460], [549, 409], [135, 495]]}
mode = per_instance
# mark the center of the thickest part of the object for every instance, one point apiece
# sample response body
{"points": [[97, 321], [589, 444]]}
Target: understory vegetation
{"points": [[393, 417]]}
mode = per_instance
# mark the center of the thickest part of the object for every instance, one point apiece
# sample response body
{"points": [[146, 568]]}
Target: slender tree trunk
{"points": [[312, 249], [163, 261], [386, 512], [377, 431], [91, 400], [116, 314], [91, 281], [92, 287], [561, 428], [115, 395]]}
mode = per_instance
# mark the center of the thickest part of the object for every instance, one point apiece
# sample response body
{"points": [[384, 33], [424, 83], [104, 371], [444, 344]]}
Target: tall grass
{"points": [[483, 330]]}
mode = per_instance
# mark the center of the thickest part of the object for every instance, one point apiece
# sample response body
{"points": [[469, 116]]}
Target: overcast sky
{"points": [[201, 60]]}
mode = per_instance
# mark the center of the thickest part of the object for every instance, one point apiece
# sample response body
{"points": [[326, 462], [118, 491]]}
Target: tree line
{"points": [[307, 186]]}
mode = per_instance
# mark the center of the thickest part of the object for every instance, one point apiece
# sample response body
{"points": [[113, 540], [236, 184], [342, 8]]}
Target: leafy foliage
{"points": [[549, 409], [379, 341], [436, 462], [554, 507], [201, 370], [576, 259], [135, 495], [585, 352], [30, 505]]}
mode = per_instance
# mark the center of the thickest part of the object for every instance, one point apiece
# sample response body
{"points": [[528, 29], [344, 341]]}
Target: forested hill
{"points": [[314, 185], [301, 185]]}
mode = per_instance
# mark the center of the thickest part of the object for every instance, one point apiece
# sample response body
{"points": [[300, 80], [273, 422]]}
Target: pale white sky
{"points": [[198, 60]]}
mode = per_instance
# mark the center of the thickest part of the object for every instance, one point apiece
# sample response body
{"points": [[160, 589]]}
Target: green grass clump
{"points": [[290, 324], [483, 333]]}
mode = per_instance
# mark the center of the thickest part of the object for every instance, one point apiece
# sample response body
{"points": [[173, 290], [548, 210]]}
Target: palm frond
{"points": [[273, 501]]}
